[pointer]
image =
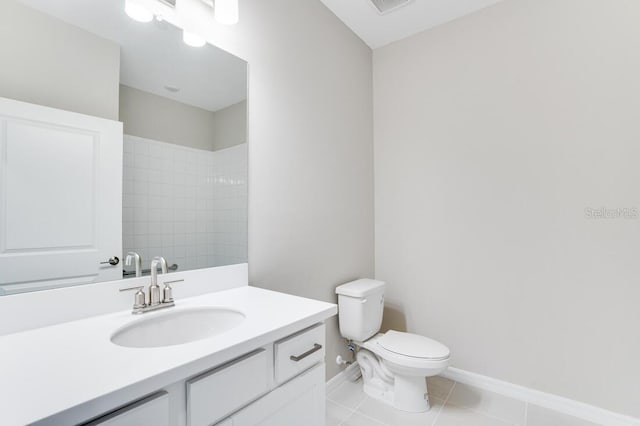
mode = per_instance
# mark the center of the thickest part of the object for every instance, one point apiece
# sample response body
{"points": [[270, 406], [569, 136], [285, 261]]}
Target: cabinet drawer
{"points": [[298, 352], [153, 410], [216, 394]]}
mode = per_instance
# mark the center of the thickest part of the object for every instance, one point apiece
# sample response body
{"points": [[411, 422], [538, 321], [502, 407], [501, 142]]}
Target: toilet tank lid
{"points": [[360, 288]]}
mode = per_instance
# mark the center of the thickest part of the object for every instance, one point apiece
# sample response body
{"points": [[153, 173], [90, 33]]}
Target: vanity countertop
{"points": [[49, 370]]}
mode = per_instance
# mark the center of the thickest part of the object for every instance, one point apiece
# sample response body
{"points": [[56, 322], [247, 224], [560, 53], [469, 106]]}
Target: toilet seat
{"points": [[413, 345], [407, 363]]}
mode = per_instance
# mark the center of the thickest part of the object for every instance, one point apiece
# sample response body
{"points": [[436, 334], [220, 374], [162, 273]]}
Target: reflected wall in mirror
{"points": [[170, 181]]}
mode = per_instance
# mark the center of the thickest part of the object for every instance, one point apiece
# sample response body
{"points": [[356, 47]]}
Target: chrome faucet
{"points": [[155, 301], [154, 288], [135, 257]]}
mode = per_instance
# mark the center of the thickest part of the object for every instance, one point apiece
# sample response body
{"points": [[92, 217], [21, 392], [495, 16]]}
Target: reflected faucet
{"points": [[135, 257]]}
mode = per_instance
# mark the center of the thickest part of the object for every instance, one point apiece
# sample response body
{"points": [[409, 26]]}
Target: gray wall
{"points": [[310, 149], [493, 134], [155, 117], [230, 126], [48, 62]]}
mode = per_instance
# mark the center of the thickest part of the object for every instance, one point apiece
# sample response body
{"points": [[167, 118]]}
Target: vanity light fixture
{"points": [[226, 11], [137, 12], [194, 16], [191, 13], [192, 39]]}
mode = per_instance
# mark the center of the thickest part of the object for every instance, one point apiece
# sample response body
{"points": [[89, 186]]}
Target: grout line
{"points": [[360, 413], [347, 418], [484, 413], [340, 405], [487, 415], [335, 401], [360, 403], [443, 404], [350, 410], [355, 411]]}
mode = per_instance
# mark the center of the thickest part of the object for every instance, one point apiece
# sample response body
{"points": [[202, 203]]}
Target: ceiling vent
{"points": [[386, 6]]}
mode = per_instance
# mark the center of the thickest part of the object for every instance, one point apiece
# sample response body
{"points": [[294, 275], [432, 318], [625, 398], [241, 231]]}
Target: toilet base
{"points": [[405, 393], [410, 394]]}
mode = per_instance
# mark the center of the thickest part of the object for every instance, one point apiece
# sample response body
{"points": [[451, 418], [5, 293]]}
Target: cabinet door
{"points": [[298, 402], [60, 197], [217, 393], [153, 410]]}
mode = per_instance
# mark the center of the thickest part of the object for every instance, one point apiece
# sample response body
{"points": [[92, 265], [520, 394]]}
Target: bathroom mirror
{"points": [[183, 158]]}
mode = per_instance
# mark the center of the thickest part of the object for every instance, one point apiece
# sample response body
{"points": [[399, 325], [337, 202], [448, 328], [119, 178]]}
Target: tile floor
{"points": [[452, 404]]}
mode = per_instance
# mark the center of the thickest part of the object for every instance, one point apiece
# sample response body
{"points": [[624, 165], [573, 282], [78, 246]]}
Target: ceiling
{"points": [[418, 15], [153, 55]]}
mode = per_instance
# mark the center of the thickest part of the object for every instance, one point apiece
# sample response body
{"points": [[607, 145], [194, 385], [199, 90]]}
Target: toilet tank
{"points": [[360, 307]]}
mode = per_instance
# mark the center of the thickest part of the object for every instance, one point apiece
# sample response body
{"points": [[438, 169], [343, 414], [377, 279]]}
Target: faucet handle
{"points": [[167, 292], [139, 297]]}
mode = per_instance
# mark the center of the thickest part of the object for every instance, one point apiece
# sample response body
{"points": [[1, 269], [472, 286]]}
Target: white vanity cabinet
{"points": [[279, 384]]}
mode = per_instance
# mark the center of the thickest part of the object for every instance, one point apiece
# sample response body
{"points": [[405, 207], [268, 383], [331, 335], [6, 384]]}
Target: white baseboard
{"points": [[542, 399], [530, 396], [348, 374]]}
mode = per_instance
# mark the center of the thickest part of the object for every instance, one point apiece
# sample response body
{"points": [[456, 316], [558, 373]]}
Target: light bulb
{"points": [[192, 39], [137, 12], [226, 11]]}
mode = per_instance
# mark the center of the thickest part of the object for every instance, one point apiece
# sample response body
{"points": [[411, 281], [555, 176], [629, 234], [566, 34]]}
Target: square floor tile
{"points": [[489, 403], [357, 419], [452, 415], [336, 414], [439, 387], [538, 416], [349, 394], [385, 413]]}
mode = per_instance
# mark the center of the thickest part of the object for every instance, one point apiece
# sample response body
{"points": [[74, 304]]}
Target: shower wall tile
{"points": [[185, 204]]}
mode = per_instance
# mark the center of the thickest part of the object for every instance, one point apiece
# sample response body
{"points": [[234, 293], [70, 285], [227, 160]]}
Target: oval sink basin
{"points": [[177, 327]]}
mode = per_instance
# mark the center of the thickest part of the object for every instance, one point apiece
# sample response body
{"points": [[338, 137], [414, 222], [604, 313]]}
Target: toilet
{"points": [[394, 364]]}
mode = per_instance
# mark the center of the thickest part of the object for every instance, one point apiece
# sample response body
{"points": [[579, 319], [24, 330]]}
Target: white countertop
{"points": [[49, 370]]}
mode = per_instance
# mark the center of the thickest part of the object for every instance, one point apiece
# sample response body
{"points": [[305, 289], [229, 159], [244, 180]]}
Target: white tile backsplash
{"points": [[185, 204]]}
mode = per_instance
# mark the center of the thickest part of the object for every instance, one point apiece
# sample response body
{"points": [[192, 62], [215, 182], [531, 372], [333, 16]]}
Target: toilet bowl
{"points": [[394, 364], [410, 358]]}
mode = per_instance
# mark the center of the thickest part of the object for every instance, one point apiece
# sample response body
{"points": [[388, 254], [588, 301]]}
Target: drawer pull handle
{"points": [[316, 348]]}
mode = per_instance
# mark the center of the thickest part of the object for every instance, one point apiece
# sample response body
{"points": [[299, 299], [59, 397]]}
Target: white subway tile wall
{"points": [[185, 204]]}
